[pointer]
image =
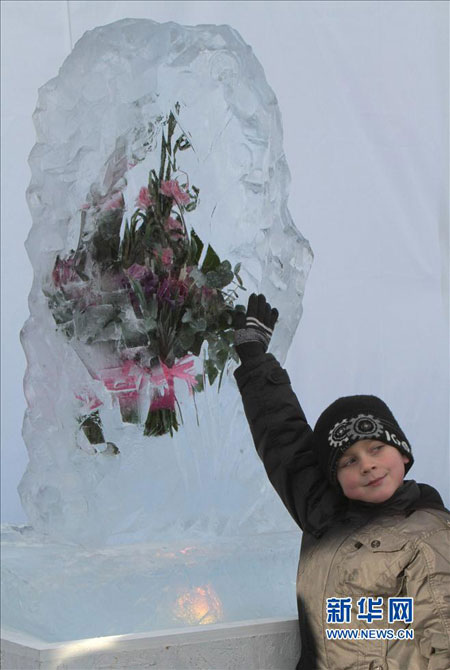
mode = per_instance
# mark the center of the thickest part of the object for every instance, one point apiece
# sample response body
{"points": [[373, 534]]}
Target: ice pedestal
{"points": [[57, 592], [99, 136]]}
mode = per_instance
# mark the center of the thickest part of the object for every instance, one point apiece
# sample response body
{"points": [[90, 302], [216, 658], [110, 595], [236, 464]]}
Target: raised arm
{"points": [[278, 425]]}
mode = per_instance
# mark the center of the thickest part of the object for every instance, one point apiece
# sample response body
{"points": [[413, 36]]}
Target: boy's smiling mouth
{"points": [[376, 482]]}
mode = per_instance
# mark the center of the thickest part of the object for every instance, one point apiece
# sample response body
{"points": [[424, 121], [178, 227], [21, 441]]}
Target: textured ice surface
{"points": [[99, 117]]}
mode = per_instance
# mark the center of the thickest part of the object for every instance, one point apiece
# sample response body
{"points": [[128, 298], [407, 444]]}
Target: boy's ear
{"points": [[405, 459]]}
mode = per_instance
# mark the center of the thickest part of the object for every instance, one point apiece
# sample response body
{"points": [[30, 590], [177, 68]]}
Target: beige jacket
{"points": [[391, 557]]}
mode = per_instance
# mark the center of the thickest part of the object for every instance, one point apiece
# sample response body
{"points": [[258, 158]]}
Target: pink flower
{"points": [[208, 292], [116, 202], [144, 200], [173, 224], [64, 272], [173, 292], [137, 271], [165, 255], [174, 228], [172, 190]]}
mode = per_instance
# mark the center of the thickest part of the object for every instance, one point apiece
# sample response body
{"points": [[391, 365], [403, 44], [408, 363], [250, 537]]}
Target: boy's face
{"points": [[371, 471]]}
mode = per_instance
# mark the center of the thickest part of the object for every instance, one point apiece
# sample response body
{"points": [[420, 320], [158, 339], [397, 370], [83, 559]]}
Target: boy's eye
{"points": [[377, 447], [347, 461]]}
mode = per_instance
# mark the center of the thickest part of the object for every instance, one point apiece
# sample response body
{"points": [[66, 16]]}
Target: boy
{"points": [[368, 535]]}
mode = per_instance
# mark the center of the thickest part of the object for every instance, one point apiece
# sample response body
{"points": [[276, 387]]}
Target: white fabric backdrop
{"points": [[363, 90]]}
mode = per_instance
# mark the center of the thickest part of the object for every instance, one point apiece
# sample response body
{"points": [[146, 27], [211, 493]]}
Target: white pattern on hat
{"points": [[363, 426]]}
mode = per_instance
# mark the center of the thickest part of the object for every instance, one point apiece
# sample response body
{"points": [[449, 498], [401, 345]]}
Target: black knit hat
{"points": [[353, 418]]}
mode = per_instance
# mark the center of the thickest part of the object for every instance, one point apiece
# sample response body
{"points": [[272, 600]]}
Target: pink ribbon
{"points": [[89, 400], [164, 401], [128, 378], [181, 370], [166, 375]]}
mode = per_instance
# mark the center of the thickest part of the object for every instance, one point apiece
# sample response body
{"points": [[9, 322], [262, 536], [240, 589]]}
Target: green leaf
{"points": [[68, 329], [134, 335], [139, 293], [152, 308], [172, 124], [211, 371], [234, 356], [148, 237], [150, 324], [199, 387], [185, 145], [221, 376], [222, 357], [182, 144], [213, 280], [226, 319], [195, 348], [186, 337], [221, 277], [199, 325], [237, 267], [198, 247], [228, 335], [105, 242], [97, 323], [211, 262], [163, 158], [187, 316]]}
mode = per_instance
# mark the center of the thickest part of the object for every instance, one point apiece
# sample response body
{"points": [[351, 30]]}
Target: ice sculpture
{"points": [[94, 477]]}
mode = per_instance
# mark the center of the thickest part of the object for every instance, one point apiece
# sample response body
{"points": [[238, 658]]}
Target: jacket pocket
{"points": [[373, 566]]}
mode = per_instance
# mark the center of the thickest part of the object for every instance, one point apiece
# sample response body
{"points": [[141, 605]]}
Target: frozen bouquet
{"points": [[142, 300]]}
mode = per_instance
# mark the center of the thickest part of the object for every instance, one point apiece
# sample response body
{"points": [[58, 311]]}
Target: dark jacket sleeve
{"points": [[282, 439]]}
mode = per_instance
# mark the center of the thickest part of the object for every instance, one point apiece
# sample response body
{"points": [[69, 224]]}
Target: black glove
{"points": [[254, 329]]}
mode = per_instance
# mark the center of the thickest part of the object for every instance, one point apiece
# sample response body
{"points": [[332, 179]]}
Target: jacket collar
{"points": [[409, 497]]}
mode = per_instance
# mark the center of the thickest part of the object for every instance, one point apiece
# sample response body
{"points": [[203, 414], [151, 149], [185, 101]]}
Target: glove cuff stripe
{"points": [[250, 335], [252, 321]]}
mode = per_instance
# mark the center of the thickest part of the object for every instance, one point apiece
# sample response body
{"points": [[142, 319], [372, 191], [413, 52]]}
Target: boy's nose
{"points": [[367, 464]]}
